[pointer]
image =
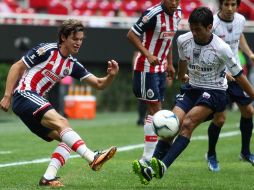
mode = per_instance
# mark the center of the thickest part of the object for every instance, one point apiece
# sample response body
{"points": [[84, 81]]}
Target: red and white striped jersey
{"points": [[46, 66], [158, 29]]}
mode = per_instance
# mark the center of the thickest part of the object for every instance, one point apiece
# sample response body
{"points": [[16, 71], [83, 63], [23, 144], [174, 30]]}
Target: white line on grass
{"points": [[5, 152], [120, 149]]}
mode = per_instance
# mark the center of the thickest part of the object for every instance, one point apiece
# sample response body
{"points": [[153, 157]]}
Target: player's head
{"points": [[171, 5], [201, 23], [228, 8], [71, 35]]}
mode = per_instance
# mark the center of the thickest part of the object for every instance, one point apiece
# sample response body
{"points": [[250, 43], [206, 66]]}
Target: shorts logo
{"points": [[206, 95], [150, 93]]}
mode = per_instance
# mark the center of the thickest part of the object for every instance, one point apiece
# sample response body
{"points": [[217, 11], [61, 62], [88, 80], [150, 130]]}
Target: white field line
{"points": [[120, 149], [5, 152]]}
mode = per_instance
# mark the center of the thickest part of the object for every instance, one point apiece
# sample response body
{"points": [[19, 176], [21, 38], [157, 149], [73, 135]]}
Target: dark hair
{"points": [[69, 26], [238, 2], [201, 15]]}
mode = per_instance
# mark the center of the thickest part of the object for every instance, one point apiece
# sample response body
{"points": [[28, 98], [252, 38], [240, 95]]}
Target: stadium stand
{"points": [[36, 12]]}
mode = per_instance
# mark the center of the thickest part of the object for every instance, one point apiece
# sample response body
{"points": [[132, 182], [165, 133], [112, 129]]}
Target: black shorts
{"points": [[31, 107]]}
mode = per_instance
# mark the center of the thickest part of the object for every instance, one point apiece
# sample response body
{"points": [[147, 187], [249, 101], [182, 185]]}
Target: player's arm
{"points": [[245, 48], [135, 40], [15, 73], [245, 85], [101, 83], [182, 71], [170, 67]]}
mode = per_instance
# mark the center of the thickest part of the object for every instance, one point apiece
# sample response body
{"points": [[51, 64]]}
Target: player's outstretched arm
{"points": [[15, 73], [101, 83], [245, 84]]}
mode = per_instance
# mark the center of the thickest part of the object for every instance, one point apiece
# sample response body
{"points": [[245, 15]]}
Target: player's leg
{"points": [[213, 136], [246, 122], [246, 127], [55, 121]]}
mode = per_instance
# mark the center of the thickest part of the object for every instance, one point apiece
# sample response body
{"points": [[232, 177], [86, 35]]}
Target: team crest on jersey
{"points": [[196, 52], [41, 51], [150, 93], [206, 95], [66, 72], [229, 28]]}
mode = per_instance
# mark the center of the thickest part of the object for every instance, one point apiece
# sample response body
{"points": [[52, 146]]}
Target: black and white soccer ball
{"points": [[165, 124]]}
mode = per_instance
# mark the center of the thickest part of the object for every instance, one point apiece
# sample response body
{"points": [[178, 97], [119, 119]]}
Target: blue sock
{"points": [[246, 126], [176, 149], [213, 136], [161, 149]]}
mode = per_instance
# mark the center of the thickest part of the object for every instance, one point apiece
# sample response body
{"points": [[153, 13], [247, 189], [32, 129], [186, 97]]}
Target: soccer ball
{"points": [[165, 124]]}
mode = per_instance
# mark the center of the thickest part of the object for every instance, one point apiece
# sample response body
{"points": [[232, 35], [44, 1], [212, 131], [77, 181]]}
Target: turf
{"points": [[189, 172]]}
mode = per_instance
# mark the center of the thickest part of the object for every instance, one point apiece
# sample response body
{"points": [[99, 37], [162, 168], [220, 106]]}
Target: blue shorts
{"points": [[149, 86], [189, 97], [236, 94], [31, 107]]}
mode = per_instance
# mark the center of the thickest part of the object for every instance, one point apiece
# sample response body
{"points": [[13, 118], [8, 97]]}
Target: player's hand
{"points": [[171, 72], [5, 103], [229, 77], [153, 60], [184, 79], [113, 67]]}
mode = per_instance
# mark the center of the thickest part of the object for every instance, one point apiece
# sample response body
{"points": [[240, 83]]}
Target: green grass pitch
{"points": [[189, 172]]}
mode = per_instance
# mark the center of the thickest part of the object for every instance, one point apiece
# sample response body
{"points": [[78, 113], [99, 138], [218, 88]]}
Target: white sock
{"points": [[73, 140], [151, 139], [58, 159]]}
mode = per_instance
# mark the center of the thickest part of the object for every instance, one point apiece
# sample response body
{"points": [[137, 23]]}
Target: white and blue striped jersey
{"points": [[230, 31], [207, 63]]}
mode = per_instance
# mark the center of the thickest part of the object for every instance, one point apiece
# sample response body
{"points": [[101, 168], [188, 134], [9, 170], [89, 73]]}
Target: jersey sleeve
{"points": [[144, 23], [231, 63], [180, 48], [36, 56], [79, 72]]}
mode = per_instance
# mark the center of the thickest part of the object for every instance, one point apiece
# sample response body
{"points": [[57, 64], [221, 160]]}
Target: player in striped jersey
{"points": [[229, 25], [36, 73], [204, 56], [157, 27]]}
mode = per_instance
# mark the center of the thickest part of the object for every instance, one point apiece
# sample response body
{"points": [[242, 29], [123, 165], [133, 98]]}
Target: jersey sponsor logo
{"points": [[50, 75], [198, 68], [167, 35], [150, 93]]}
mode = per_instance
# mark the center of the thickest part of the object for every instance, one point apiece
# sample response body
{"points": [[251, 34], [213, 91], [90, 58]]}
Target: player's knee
{"points": [[187, 127], [219, 122], [248, 113]]}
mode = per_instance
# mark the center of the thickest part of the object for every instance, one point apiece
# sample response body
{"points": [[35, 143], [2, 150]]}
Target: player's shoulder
{"points": [[43, 48], [239, 17], [153, 11], [219, 43], [184, 37]]}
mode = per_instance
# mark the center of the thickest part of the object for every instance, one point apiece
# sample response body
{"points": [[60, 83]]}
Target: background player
{"points": [[157, 26], [229, 25], [205, 57], [36, 73]]}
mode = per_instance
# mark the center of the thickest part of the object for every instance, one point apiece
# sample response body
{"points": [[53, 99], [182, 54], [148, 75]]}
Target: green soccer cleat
{"points": [[158, 167], [143, 171]]}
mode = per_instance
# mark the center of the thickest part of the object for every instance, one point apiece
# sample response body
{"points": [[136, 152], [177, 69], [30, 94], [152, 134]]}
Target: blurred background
{"points": [[25, 23]]}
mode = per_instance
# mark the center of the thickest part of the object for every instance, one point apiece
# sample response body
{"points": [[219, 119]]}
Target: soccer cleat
{"points": [[143, 171], [51, 183], [101, 157], [248, 158], [158, 167], [212, 163]]}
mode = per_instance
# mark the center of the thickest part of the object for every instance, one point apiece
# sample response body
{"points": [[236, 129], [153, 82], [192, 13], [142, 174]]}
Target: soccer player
{"points": [[229, 25], [35, 74], [204, 56], [157, 27]]}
